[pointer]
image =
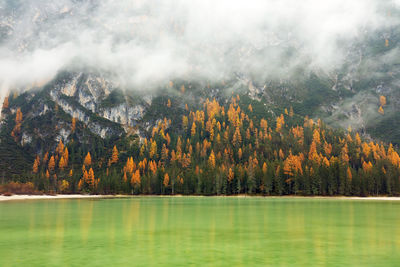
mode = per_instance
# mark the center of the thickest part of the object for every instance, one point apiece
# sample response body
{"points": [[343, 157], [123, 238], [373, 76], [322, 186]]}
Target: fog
{"points": [[144, 44]]}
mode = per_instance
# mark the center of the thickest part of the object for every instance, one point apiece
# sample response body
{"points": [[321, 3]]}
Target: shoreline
{"points": [[78, 196], [51, 197]]}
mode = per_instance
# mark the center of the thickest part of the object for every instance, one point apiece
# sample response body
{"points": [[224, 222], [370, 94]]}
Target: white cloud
{"points": [[145, 43]]}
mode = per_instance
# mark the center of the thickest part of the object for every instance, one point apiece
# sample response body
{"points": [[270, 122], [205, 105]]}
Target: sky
{"points": [[142, 44]]}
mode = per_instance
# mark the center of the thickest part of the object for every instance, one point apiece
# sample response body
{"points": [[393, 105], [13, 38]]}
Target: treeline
{"points": [[224, 150]]}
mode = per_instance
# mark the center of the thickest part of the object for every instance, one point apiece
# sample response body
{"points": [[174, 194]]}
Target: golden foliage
{"points": [[88, 160]]}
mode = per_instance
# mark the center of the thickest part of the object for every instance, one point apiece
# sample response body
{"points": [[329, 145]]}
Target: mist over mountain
{"points": [[113, 65], [143, 44]]}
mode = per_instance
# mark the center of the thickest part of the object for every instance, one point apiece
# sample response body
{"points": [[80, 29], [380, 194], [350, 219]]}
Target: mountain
{"points": [[77, 76]]}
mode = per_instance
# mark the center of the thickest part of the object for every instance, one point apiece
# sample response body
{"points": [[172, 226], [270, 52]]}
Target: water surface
{"points": [[153, 231]]}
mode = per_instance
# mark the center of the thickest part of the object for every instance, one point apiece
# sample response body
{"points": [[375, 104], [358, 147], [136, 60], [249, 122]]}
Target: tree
{"points": [[35, 167], [88, 159], [344, 156], [280, 121], [166, 180], [60, 147], [211, 160], [263, 125], [316, 137], [61, 163], [358, 139], [264, 168], [382, 100], [327, 149], [135, 179], [366, 149], [66, 156], [292, 165], [237, 138], [18, 117], [231, 175], [164, 153], [114, 157], [18, 121], [185, 122], [348, 173], [64, 186], [240, 154], [80, 184], [5, 103], [193, 130], [73, 124], [153, 149], [52, 164], [90, 180]]}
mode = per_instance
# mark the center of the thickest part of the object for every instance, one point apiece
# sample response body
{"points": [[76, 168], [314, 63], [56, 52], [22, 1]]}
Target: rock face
{"points": [[83, 95], [97, 106], [123, 114]]}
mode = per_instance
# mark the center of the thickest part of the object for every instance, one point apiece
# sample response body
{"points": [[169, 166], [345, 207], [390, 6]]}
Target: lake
{"points": [[207, 231]]}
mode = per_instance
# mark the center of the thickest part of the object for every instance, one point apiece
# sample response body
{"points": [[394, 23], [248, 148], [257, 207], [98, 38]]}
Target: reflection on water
{"points": [[208, 231]]}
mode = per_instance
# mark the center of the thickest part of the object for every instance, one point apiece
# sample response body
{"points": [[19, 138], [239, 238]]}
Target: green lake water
{"points": [[206, 231]]}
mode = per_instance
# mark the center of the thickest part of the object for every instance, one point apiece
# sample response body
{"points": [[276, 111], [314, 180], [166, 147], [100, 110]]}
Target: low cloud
{"points": [[143, 44]]}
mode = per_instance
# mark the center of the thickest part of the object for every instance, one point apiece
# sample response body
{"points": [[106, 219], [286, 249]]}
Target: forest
{"points": [[220, 149]]}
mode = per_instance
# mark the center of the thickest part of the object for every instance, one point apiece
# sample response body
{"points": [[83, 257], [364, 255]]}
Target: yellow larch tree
{"points": [[193, 130], [316, 137], [35, 167], [264, 168], [382, 100], [349, 175], [52, 164], [66, 156], [61, 163], [166, 180], [73, 124], [88, 159], [381, 111], [5, 103], [211, 160], [114, 157], [153, 149]]}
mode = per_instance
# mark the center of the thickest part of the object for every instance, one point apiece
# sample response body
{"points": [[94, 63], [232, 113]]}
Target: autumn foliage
{"points": [[226, 149]]}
